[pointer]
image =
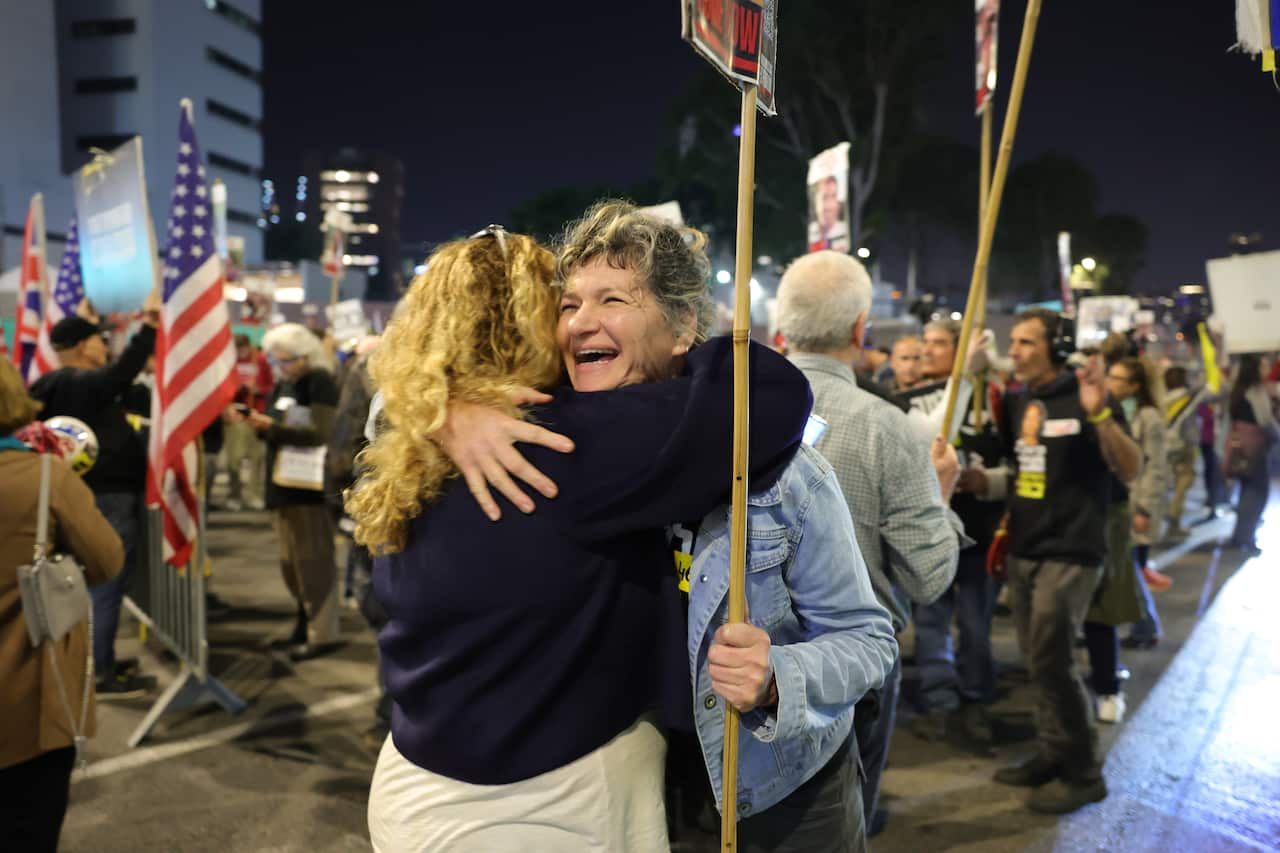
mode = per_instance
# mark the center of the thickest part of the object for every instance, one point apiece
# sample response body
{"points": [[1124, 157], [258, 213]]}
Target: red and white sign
{"points": [[986, 41]]}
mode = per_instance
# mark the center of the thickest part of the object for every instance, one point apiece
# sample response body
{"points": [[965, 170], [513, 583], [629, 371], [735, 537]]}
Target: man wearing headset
{"points": [[1064, 434]]}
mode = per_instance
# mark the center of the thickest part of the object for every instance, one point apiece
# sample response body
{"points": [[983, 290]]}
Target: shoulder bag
{"points": [[55, 599]]}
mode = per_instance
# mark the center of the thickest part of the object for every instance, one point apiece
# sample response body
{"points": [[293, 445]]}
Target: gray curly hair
{"points": [[669, 260]]}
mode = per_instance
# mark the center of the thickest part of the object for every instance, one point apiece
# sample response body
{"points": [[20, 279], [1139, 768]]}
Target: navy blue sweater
{"points": [[517, 647]]}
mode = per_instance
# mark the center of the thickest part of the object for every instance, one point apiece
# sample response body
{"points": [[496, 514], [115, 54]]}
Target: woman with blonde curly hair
{"points": [[523, 655]]}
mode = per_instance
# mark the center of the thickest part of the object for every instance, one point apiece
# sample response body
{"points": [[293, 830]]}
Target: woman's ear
{"points": [[684, 343]]}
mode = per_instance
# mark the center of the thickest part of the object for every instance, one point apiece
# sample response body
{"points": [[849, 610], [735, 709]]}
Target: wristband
{"points": [[1101, 416]]}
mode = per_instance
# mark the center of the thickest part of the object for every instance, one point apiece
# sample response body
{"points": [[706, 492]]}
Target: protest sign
{"points": [[986, 39], [347, 320], [1099, 316], [1246, 298], [829, 200], [738, 37], [117, 243], [668, 211]]}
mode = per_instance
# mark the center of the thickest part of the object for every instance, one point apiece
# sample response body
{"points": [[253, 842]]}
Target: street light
{"points": [[1089, 264], [864, 252]]}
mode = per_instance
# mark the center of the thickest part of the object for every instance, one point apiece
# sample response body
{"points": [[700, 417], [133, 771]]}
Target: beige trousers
{"points": [[608, 801]]}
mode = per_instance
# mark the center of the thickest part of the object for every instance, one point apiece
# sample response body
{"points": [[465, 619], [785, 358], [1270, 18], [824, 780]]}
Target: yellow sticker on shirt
{"points": [[684, 564]]}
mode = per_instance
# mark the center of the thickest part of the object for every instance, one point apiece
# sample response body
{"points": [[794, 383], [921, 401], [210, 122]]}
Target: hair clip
{"points": [[498, 232]]}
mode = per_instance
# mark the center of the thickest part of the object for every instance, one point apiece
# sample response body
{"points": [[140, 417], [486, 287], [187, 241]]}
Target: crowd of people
{"points": [[532, 466]]}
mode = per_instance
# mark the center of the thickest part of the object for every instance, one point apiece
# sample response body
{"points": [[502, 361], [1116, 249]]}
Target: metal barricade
{"points": [[171, 604]]}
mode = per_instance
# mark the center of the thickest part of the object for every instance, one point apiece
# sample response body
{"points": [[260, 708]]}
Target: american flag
{"points": [[31, 288], [67, 293], [195, 359]]}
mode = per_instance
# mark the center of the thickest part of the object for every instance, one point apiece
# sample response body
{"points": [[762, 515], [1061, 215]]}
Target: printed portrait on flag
{"points": [[829, 200], [987, 13]]}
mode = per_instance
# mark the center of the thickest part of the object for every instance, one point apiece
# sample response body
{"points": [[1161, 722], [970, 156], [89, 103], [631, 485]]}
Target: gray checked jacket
{"points": [[909, 538]]}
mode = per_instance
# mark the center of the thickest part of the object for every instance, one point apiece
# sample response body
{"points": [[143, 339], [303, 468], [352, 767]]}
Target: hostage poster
{"points": [[828, 188]]}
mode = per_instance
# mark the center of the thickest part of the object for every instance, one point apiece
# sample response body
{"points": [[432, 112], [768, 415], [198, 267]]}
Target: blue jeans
{"points": [[873, 722], [949, 676], [1148, 627], [123, 512]]}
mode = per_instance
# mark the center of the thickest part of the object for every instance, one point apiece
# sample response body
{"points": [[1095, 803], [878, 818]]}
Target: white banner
{"points": [[1246, 298]]}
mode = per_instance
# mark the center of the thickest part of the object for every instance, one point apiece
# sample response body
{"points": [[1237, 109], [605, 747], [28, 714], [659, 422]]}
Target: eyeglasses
{"points": [[497, 232]]}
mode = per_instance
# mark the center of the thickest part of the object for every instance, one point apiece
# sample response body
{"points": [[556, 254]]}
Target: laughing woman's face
{"points": [[612, 330]]}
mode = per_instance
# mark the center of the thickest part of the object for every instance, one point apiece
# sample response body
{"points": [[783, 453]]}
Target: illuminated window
{"points": [[330, 192]]}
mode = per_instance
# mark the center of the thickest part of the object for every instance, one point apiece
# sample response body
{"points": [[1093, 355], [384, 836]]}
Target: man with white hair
{"points": [[897, 500]]}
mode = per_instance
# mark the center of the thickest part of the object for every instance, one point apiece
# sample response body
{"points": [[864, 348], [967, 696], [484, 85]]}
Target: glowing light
{"points": [[864, 252], [1089, 264], [342, 176], [956, 315], [724, 276]]}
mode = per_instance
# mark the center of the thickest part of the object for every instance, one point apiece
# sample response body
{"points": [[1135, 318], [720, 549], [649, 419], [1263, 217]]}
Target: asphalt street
{"points": [[1195, 766]]}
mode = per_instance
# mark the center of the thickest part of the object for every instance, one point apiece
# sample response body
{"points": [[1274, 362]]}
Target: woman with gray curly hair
{"points": [[631, 309], [296, 427]]}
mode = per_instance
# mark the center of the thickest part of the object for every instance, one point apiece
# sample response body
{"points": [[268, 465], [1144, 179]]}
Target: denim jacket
{"points": [[808, 587]]}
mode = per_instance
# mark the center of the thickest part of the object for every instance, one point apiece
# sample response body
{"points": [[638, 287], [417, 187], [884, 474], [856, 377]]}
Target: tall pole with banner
{"points": [[336, 225], [739, 38], [986, 43], [991, 212]]}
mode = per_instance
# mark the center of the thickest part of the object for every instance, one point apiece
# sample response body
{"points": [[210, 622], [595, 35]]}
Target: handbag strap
{"points": [[77, 729], [42, 510]]}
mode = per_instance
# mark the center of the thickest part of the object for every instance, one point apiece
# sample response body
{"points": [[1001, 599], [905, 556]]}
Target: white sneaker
{"points": [[1111, 708]]}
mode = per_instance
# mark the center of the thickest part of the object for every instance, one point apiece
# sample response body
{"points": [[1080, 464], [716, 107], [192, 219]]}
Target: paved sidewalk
{"points": [[1196, 766]]}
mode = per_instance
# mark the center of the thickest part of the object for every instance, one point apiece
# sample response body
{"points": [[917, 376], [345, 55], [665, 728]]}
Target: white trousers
{"points": [[608, 801]]}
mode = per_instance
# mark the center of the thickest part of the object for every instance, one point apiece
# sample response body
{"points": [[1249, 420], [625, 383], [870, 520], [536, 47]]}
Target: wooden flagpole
{"points": [[992, 212], [741, 431], [984, 190]]}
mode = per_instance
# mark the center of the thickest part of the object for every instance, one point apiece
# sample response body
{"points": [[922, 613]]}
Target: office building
{"points": [[370, 188], [88, 74]]}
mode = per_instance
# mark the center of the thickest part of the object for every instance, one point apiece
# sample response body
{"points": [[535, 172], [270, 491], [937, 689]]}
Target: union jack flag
{"points": [[67, 293], [195, 358], [31, 288]]}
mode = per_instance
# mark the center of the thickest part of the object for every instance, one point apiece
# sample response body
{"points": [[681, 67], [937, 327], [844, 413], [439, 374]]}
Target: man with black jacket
{"points": [[88, 388], [1066, 435], [956, 683]]}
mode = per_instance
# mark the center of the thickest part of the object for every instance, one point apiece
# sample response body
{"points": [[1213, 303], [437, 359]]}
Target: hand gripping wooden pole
{"points": [[992, 212], [741, 432]]}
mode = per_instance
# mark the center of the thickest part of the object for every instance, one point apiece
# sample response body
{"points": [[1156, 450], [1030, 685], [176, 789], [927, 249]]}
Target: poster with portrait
{"points": [[1246, 299], [117, 243], [986, 38], [738, 37], [1099, 316], [828, 194]]}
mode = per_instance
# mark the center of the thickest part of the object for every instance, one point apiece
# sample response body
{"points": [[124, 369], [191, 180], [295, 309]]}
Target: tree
{"points": [[935, 192], [1044, 196], [1119, 242], [851, 75]]}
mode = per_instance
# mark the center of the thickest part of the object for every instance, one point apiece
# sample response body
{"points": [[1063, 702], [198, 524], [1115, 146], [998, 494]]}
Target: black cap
{"points": [[69, 331]]}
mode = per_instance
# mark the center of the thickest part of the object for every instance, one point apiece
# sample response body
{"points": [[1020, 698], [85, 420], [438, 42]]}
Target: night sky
{"points": [[487, 104]]}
